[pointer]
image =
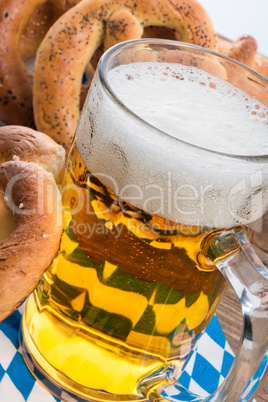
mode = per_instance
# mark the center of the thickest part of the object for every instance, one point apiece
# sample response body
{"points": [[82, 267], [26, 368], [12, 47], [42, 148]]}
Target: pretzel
{"points": [[23, 143], [244, 50], [30, 212], [36, 28], [73, 39], [261, 65], [15, 80], [39, 23]]}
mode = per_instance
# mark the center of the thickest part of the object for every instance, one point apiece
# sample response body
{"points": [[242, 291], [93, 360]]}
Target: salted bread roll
{"points": [[30, 211]]}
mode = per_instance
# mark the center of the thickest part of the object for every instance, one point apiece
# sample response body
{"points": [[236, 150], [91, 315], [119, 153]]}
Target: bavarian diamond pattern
{"points": [[16, 382], [205, 370]]}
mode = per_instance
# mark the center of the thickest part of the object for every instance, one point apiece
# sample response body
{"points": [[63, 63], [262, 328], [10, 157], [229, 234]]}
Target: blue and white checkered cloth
{"points": [[206, 368]]}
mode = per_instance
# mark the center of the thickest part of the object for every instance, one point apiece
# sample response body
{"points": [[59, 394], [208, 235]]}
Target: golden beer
{"points": [[131, 291], [128, 294]]}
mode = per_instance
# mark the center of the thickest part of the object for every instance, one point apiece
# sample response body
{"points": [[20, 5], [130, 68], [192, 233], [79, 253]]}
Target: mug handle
{"points": [[234, 256]]}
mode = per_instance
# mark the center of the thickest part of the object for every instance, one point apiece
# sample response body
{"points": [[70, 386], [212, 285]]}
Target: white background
{"points": [[233, 18]]}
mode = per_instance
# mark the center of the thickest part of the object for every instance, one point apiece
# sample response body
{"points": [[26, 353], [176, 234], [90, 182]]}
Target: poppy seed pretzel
{"points": [[39, 23], [16, 81], [72, 40], [23, 24]]}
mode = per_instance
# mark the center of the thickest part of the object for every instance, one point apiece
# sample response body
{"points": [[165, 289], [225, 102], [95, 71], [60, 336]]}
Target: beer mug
{"points": [[165, 182]]}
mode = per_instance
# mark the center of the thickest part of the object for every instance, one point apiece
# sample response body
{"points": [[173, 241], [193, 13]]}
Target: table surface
{"points": [[232, 322]]}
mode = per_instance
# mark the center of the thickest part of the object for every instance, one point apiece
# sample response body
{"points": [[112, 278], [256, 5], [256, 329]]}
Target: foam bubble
{"points": [[165, 176]]}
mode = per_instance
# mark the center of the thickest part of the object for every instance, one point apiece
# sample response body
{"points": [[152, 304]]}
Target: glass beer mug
{"points": [[166, 179]]}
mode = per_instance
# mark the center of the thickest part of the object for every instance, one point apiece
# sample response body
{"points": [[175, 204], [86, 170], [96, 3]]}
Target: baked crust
{"points": [[39, 23], [23, 25], [33, 196], [72, 41], [244, 50], [17, 142], [30, 211]]}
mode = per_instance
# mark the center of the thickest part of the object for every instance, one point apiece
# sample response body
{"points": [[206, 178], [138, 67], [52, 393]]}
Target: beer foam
{"points": [[162, 173]]}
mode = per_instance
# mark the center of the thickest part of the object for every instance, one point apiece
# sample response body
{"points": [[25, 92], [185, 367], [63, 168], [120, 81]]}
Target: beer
{"points": [[130, 291], [126, 281]]}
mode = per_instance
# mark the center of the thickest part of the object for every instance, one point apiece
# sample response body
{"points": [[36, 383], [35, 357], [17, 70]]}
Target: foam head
{"points": [[174, 153]]}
